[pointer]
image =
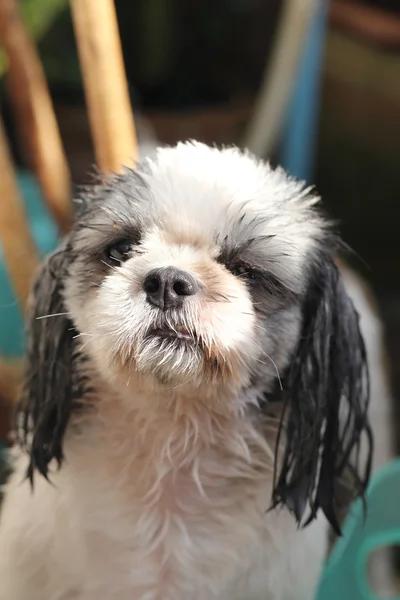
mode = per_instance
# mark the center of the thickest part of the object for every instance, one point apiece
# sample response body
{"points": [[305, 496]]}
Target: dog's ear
{"points": [[52, 383], [325, 417]]}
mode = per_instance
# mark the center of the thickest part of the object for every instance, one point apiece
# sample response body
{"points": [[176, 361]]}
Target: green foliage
{"points": [[38, 16]]}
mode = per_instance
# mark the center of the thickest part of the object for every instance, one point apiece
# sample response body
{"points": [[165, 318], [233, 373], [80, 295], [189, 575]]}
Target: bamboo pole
{"points": [[110, 113], [35, 114], [11, 376], [20, 253]]}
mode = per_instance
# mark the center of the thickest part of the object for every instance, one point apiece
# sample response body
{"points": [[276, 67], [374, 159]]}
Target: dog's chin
{"points": [[170, 357], [175, 359]]}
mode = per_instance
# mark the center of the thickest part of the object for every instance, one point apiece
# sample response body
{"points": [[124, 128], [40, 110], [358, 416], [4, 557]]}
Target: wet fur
{"points": [[165, 457]]}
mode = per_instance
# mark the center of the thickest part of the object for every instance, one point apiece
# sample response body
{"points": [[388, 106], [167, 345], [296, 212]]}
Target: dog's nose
{"points": [[166, 288]]}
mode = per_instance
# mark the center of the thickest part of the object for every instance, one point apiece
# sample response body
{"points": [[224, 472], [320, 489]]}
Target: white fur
{"points": [[155, 503], [130, 528]]}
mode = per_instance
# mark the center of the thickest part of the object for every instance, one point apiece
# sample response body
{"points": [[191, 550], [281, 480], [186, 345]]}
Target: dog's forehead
{"points": [[197, 194], [216, 193], [200, 181]]}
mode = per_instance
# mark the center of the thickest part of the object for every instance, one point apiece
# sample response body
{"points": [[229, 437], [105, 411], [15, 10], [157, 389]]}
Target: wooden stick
{"points": [[106, 88], [35, 115], [11, 377], [19, 250]]}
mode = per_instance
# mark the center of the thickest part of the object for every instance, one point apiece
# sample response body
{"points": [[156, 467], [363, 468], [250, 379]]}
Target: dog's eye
{"points": [[119, 251], [243, 271]]}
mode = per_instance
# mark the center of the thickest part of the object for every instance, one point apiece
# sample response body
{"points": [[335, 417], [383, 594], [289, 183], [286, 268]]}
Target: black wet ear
{"points": [[325, 413], [52, 382]]}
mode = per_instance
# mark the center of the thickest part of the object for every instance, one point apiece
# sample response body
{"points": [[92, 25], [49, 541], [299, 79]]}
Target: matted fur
{"points": [[165, 455]]}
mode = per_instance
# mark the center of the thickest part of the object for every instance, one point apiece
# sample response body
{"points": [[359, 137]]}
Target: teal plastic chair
{"points": [[44, 232], [345, 574]]}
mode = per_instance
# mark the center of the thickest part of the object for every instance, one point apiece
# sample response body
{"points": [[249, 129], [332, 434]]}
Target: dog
{"points": [[196, 393]]}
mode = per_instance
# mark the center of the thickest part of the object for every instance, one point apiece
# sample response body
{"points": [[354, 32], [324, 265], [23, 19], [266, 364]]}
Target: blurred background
{"points": [[311, 84]]}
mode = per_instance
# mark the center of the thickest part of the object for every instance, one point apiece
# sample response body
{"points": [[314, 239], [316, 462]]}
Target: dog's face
{"points": [[192, 270], [205, 270]]}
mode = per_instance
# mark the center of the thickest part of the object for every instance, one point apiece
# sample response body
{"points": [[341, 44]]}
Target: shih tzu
{"points": [[196, 393]]}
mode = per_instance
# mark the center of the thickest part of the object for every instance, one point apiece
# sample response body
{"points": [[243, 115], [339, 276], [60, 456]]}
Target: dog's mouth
{"points": [[178, 333]]}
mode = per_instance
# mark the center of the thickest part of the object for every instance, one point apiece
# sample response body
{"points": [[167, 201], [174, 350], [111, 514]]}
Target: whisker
{"points": [[263, 363], [260, 327], [122, 274], [83, 345], [81, 334], [53, 315], [107, 265], [219, 297], [276, 369]]}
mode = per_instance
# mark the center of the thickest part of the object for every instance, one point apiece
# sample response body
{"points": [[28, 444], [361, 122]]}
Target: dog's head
{"points": [[207, 271]]}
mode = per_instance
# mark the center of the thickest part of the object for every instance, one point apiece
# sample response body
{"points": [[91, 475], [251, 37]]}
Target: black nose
{"points": [[166, 288]]}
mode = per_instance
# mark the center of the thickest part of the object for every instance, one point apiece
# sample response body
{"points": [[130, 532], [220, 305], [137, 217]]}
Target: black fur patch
{"points": [[326, 395], [53, 383]]}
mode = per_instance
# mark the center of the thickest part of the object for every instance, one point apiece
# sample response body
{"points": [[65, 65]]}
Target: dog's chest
{"points": [[158, 523], [166, 518]]}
